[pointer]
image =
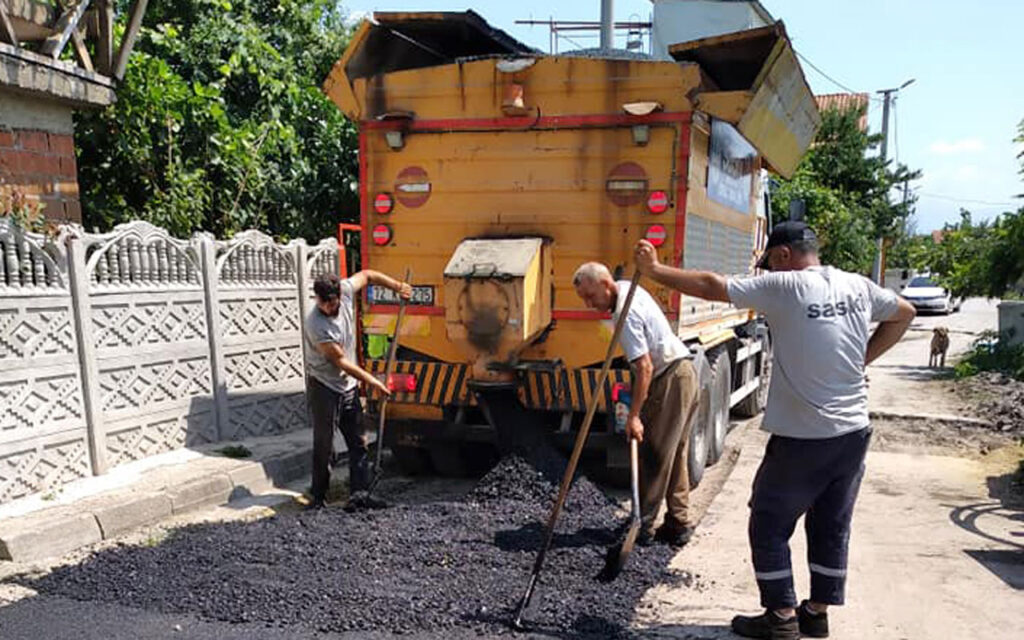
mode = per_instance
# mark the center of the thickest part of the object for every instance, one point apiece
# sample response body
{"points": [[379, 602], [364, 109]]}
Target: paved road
{"points": [[933, 555], [901, 380]]}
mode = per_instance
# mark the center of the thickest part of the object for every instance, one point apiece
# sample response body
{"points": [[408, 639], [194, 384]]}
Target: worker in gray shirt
{"points": [[333, 375], [819, 318]]}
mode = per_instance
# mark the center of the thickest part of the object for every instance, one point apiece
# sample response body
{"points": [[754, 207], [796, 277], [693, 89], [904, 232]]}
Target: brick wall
{"points": [[42, 165]]}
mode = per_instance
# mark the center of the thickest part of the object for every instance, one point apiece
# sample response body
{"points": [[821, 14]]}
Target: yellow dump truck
{"points": [[493, 170]]}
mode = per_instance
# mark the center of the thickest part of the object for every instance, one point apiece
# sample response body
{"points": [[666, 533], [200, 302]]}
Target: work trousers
{"points": [[329, 410], [818, 479], [667, 416]]}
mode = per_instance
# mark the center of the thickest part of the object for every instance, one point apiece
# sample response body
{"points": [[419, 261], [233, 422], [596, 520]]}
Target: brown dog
{"points": [[940, 343]]}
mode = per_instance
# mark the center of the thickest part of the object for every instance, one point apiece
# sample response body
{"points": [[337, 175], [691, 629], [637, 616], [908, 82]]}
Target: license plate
{"points": [[422, 295]]}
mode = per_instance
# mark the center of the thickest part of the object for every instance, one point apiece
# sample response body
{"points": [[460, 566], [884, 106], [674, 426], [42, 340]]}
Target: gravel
{"points": [[1000, 400], [447, 568]]}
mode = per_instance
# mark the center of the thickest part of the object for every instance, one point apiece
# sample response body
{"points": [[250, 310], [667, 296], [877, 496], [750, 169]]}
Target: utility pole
{"points": [[876, 268]]}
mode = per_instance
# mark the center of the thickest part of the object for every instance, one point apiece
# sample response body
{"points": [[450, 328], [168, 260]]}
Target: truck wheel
{"points": [[447, 459], [721, 388], [411, 461], [755, 403], [697, 456]]}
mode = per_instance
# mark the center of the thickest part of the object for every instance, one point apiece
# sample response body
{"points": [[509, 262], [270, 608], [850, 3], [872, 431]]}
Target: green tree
{"points": [[845, 238], [976, 259], [220, 123], [1006, 257], [844, 186]]}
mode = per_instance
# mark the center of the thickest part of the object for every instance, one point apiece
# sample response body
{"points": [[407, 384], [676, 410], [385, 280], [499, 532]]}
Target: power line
{"points": [[830, 78], [940, 196], [571, 41]]}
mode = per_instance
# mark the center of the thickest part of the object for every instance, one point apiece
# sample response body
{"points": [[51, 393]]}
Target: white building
{"points": [[677, 21]]}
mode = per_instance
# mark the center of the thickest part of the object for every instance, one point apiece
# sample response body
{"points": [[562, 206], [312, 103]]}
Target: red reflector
{"points": [[383, 203], [657, 202], [617, 389], [402, 382], [656, 235], [381, 235]]}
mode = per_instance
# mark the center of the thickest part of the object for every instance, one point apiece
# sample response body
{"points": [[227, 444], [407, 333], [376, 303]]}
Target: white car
{"points": [[926, 295]]}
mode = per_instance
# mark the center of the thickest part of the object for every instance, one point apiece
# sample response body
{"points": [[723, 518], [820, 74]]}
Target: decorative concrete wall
{"points": [[119, 346]]}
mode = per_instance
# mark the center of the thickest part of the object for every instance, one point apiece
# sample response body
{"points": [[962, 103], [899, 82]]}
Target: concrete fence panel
{"points": [[259, 317], [43, 435], [119, 346], [153, 383]]}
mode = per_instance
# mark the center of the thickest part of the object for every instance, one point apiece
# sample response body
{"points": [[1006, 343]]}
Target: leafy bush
{"points": [[220, 124], [988, 353]]}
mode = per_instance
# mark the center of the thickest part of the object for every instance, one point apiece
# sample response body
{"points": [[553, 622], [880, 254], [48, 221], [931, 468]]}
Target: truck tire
{"points": [[755, 403], [697, 455], [411, 461], [721, 388]]}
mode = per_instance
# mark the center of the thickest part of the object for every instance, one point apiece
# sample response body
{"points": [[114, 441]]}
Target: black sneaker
{"points": [[673, 535], [812, 625], [767, 626]]}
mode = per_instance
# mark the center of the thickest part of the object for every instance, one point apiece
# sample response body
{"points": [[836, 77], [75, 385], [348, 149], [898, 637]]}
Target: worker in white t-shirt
{"points": [[819, 320], [663, 397]]}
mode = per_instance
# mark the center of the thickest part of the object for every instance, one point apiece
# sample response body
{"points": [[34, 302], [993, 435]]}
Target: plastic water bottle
{"points": [[622, 397]]}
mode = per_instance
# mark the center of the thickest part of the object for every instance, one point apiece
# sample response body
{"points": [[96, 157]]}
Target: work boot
{"points": [[363, 500], [314, 505], [812, 625], [673, 535], [645, 538], [767, 626]]}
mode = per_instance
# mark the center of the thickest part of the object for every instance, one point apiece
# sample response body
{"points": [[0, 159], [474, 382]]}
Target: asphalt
{"points": [[97, 509]]}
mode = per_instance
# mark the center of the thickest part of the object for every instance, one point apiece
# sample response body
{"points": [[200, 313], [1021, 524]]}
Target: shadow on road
{"points": [[999, 521], [989, 514], [921, 373]]}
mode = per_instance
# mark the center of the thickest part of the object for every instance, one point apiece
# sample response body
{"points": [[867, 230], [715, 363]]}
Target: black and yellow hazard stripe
{"points": [[557, 389], [583, 382], [437, 383]]}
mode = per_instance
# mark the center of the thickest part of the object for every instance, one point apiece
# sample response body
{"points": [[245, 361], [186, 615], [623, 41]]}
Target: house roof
{"points": [[844, 101]]}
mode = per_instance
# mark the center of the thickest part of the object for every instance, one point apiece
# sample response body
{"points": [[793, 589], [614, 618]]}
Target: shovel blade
{"points": [[615, 558]]}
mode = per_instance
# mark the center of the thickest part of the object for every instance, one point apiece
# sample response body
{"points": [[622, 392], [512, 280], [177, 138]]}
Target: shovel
{"points": [[388, 366], [617, 554], [570, 469]]}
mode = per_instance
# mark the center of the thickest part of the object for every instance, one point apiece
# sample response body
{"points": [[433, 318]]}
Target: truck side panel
{"points": [[718, 238]]}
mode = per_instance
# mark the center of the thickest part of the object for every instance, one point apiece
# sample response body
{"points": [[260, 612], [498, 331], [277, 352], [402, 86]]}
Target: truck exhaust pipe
{"points": [[607, 25]]}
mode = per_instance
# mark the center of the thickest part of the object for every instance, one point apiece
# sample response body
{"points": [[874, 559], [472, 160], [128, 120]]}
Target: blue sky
{"points": [[956, 122]]}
